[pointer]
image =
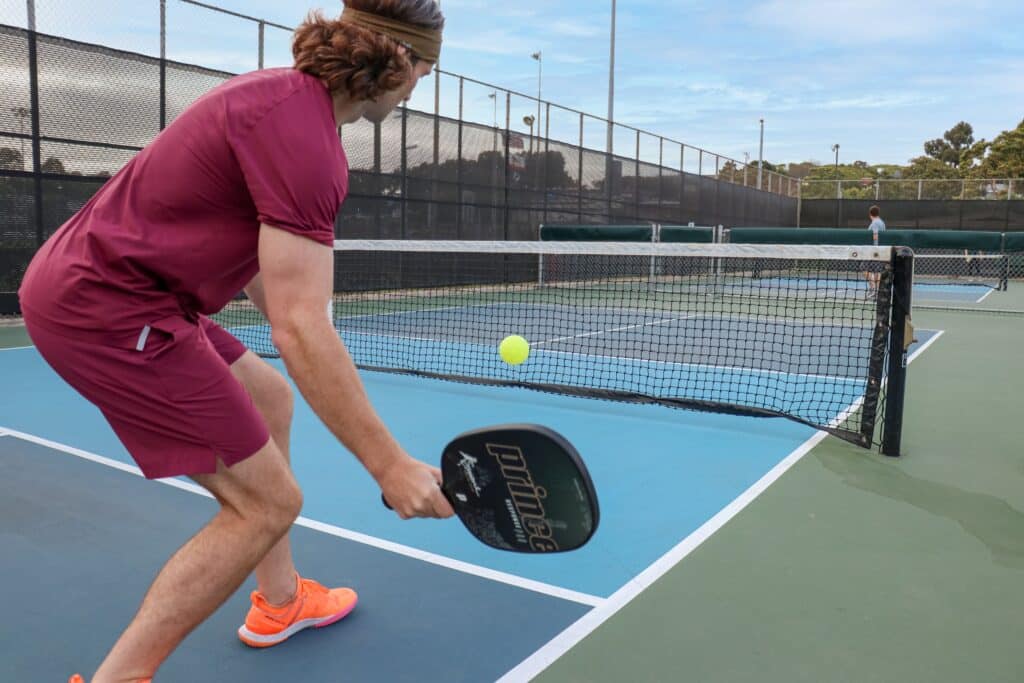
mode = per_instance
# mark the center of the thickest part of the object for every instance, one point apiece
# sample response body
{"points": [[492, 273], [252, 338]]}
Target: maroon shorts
{"points": [[168, 392]]}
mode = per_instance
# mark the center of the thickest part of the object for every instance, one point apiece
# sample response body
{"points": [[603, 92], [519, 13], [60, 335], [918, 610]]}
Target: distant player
{"points": [[877, 226]]}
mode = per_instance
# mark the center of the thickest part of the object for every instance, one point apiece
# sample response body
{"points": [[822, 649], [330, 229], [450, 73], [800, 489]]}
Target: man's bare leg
{"points": [[259, 500], [272, 395]]}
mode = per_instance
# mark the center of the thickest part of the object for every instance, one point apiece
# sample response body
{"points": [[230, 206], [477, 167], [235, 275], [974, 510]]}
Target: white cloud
{"points": [[869, 22], [493, 42], [884, 101], [574, 29]]}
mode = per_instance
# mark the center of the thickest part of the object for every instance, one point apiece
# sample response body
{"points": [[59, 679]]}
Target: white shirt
{"points": [[877, 226]]}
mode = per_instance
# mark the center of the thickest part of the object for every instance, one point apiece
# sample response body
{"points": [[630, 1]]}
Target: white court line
{"points": [[588, 623], [920, 350], [987, 295], [381, 544], [17, 348], [613, 329]]}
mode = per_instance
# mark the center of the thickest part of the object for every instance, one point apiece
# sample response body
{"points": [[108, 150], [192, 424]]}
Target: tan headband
{"points": [[425, 43]]}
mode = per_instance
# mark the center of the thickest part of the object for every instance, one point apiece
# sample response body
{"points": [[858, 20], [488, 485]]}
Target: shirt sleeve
{"points": [[294, 169]]}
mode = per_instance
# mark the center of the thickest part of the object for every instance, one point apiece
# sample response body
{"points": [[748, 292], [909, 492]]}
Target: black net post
{"points": [[879, 354], [900, 338]]}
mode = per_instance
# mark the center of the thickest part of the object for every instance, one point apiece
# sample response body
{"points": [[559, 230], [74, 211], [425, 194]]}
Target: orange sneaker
{"points": [[313, 605]]}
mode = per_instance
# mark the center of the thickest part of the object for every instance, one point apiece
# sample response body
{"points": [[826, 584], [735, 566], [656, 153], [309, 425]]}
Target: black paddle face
{"points": [[522, 488]]}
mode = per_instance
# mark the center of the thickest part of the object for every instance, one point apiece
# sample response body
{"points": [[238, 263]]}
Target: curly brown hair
{"points": [[356, 60]]}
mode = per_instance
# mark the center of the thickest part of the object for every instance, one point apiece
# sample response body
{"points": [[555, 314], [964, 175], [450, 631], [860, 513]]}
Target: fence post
{"points": [[636, 179], [33, 76], [377, 194], [682, 181], [920, 189], [263, 31], [458, 166], [579, 166], [799, 202], [163, 64], [661, 172], [544, 159], [609, 174], [508, 162], [405, 169]]}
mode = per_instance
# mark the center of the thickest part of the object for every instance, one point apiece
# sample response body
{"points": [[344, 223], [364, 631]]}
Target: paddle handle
{"points": [[440, 486]]}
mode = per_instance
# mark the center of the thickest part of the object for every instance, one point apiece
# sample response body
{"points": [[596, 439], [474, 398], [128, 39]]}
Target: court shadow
{"points": [[993, 521]]}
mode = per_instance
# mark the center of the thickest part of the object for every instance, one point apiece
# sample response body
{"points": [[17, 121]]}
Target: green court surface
{"points": [[12, 335], [853, 566]]}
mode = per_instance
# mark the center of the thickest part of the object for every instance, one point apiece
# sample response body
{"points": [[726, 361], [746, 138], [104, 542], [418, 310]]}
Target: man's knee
{"points": [[261, 490], [285, 503], [277, 401], [270, 391]]}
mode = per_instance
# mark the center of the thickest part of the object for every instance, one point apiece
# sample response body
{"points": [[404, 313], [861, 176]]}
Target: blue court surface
{"points": [[924, 292], [84, 534]]}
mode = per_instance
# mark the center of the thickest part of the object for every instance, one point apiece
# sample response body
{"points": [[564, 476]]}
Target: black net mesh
{"points": [[787, 331]]}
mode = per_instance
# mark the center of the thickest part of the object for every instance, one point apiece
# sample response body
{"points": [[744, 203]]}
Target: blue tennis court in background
{"points": [[924, 292], [82, 524], [809, 367]]}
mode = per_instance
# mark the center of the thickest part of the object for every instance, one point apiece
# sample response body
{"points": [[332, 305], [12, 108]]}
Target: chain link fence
{"points": [[878, 189], [84, 86]]}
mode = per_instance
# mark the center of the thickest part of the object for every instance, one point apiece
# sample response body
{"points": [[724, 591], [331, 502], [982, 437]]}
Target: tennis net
{"points": [[744, 329]]}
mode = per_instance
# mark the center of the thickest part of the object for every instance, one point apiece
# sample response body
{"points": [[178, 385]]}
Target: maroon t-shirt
{"points": [[177, 229]]}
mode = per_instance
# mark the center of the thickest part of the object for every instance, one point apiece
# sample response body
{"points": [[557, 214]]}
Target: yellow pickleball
{"points": [[514, 349]]}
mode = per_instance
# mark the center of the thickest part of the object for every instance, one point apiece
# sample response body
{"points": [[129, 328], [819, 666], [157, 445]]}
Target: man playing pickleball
{"points": [[240, 192]]}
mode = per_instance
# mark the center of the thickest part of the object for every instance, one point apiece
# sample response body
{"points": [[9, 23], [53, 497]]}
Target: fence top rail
{"points": [[626, 126], [214, 8], [833, 181]]}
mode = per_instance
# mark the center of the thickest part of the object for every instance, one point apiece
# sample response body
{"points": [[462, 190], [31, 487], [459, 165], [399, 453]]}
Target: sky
{"points": [[877, 77]]}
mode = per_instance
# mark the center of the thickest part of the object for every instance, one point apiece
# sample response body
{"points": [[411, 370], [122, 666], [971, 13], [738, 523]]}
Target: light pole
{"points": [[839, 183], [760, 157], [611, 85], [539, 56]]}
